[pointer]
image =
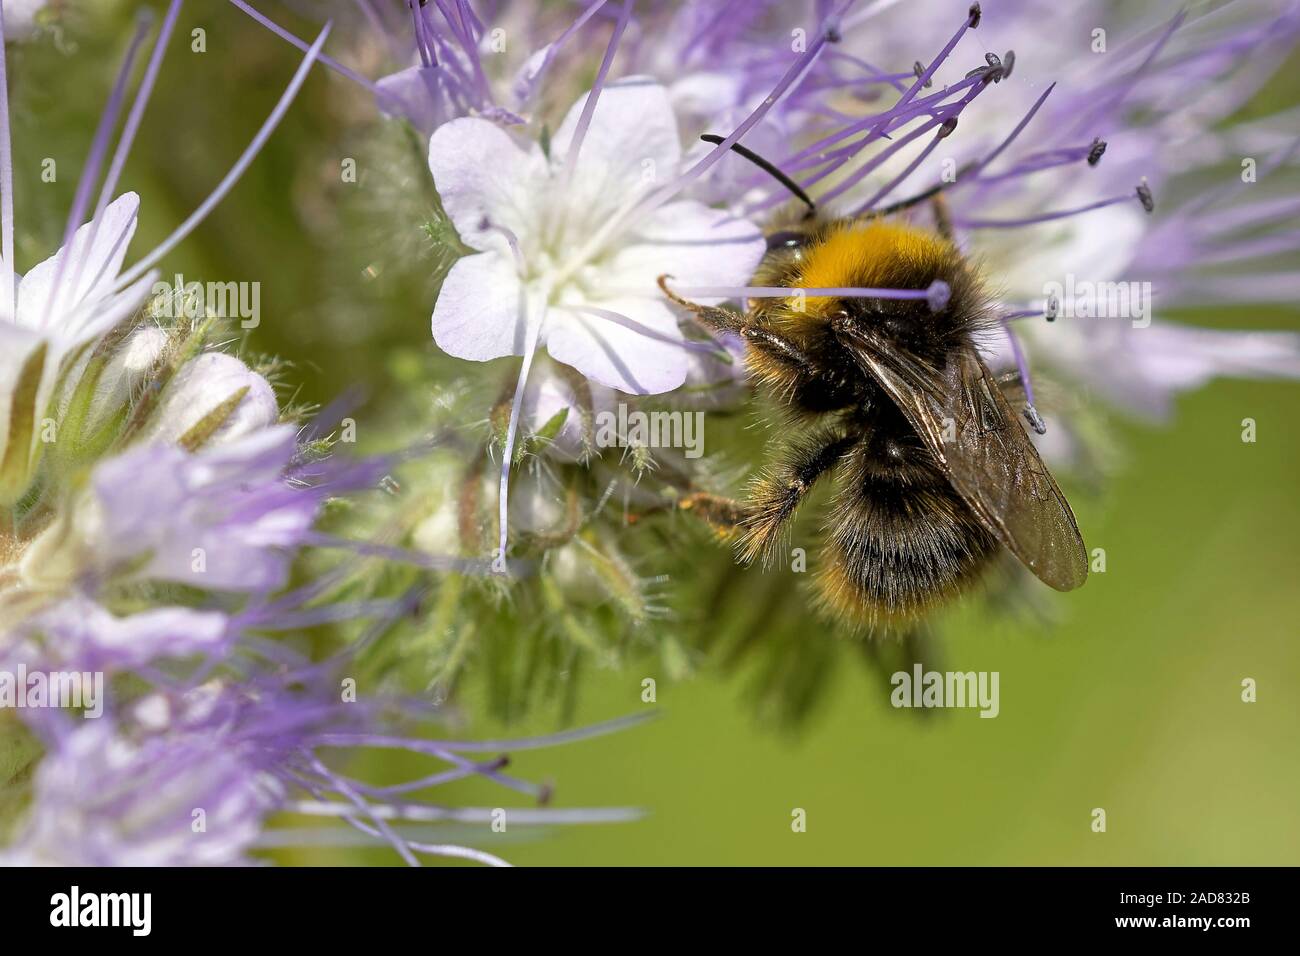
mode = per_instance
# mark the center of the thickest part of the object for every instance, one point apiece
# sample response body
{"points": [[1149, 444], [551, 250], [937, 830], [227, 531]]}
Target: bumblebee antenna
{"points": [[767, 167]]}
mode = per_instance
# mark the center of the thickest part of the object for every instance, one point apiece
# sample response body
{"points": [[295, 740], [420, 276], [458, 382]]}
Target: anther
{"points": [[833, 34], [1096, 151], [919, 70], [948, 126], [996, 70], [1035, 420], [1053, 308], [975, 14], [1008, 63], [1144, 196], [937, 295]]}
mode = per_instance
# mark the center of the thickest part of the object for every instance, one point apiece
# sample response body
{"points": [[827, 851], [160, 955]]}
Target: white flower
{"points": [[20, 18], [596, 308], [48, 324]]}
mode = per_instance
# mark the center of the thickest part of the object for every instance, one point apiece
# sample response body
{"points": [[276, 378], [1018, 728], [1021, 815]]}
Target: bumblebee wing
{"points": [[961, 414]]}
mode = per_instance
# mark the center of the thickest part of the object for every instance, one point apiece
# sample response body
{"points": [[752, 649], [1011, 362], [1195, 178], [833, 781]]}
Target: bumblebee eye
{"points": [[786, 240]]}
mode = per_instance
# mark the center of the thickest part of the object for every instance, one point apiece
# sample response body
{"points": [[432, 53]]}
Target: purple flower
{"points": [[78, 634], [1058, 149], [222, 518], [189, 776]]}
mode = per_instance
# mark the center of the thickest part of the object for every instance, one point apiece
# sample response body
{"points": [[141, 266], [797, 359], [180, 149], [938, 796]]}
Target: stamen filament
{"points": [[1022, 367], [284, 34], [936, 295], [1044, 217], [133, 119], [893, 184], [512, 429], [627, 322], [1015, 132], [554, 47], [8, 282], [659, 197], [236, 171], [589, 107], [90, 173]]}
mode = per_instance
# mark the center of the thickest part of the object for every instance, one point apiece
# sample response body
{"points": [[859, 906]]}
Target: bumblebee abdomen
{"points": [[900, 539]]}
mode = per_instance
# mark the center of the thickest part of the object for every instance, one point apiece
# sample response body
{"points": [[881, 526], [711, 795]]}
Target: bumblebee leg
{"points": [[711, 317], [776, 496], [725, 515], [779, 361], [777, 347]]}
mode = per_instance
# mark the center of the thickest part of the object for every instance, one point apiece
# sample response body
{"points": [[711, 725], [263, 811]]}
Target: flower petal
{"points": [[78, 631], [694, 244], [416, 94], [630, 147], [483, 177], [480, 312], [614, 354], [94, 266]]}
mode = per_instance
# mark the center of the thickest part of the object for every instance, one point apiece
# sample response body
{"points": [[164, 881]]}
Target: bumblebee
{"points": [[934, 474]]}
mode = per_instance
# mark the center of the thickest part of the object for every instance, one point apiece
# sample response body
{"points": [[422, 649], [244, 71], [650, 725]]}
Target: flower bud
{"points": [[213, 399]]}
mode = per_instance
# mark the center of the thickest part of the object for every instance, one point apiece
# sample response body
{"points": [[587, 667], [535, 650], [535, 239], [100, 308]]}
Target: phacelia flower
{"points": [[190, 776], [536, 283]]}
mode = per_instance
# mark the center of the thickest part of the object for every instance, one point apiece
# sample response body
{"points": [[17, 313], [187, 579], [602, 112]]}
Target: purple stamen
{"points": [[943, 132], [971, 22], [435, 747], [236, 171], [1037, 162], [423, 44], [1015, 132], [464, 36], [525, 92], [589, 107], [627, 322], [793, 74], [936, 295], [1022, 366], [889, 120], [133, 119], [284, 34], [942, 121], [839, 84], [90, 173], [891, 78], [1109, 104], [1049, 216], [7, 280]]}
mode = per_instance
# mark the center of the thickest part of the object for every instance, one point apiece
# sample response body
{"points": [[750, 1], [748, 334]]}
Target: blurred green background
{"points": [[1133, 703]]}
